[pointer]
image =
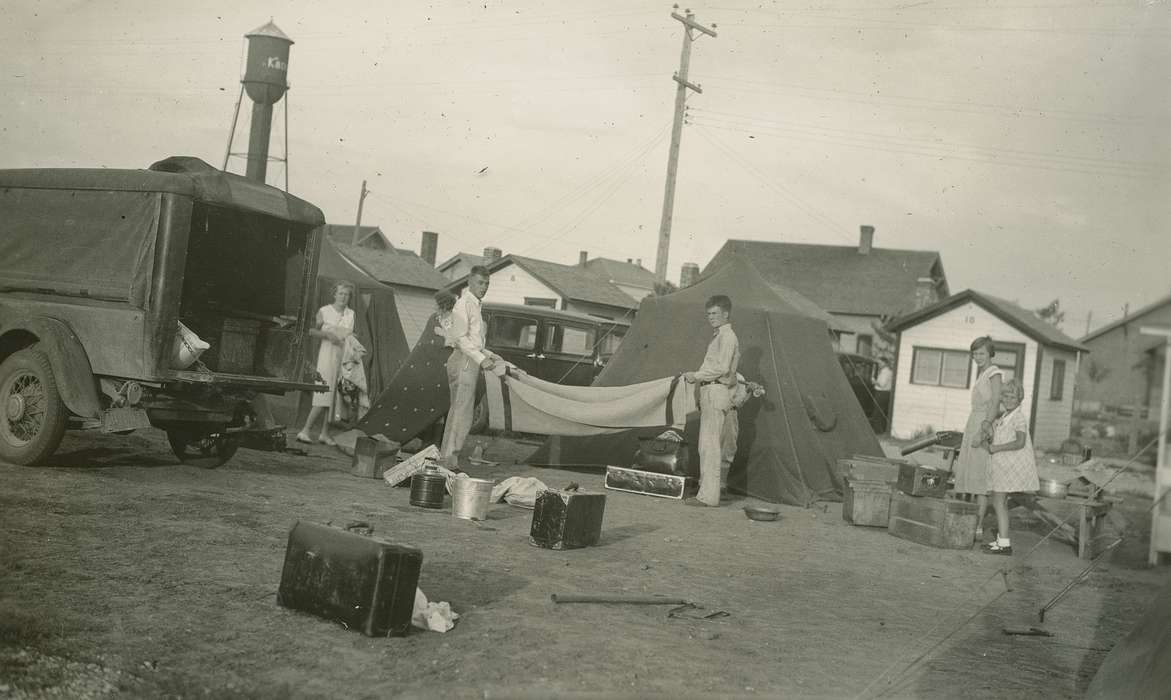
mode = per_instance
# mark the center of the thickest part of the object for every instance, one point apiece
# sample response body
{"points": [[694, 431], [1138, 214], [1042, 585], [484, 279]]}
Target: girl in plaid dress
{"points": [[1012, 468]]}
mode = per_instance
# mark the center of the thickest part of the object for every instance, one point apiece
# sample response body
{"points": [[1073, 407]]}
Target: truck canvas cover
{"points": [[92, 232]]}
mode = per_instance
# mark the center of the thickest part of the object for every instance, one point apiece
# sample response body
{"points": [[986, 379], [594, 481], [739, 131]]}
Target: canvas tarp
{"points": [[1139, 666], [97, 244], [523, 403], [790, 438]]}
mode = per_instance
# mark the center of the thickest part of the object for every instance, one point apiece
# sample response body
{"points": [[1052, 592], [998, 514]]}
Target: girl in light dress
{"points": [[1013, 466], [333, 323], [971, 468]]}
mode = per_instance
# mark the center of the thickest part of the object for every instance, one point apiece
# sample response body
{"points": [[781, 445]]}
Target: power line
{"points": [[774, 185], [964, 106], [870, 144], [748, 120]]}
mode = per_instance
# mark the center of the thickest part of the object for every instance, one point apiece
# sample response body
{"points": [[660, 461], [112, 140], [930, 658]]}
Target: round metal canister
{"points": [[470, 498], [428, 489]]}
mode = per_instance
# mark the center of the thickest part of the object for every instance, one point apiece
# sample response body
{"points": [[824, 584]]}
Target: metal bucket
{"points": [[470, 498], [427, 489]]}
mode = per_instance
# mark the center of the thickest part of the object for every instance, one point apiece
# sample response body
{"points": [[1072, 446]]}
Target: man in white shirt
{"points": [[468, 357], [717, 384]]}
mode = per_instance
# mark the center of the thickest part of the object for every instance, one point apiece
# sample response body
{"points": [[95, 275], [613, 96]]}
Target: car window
{"points": [[571, 340], [512, 332]]}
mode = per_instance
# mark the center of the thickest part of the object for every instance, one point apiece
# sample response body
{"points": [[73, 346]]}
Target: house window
{"points": [[1057, 388], [865, 345], [1010, 358], [541, 301], [938, 367]]}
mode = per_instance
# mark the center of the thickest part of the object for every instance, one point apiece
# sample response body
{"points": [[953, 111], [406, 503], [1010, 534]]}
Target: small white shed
{"points": [[934, 371]]}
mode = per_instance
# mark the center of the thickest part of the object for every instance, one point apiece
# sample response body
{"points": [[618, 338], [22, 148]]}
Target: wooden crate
{"points": [[936, 522], [237, 348], [867, 503]]}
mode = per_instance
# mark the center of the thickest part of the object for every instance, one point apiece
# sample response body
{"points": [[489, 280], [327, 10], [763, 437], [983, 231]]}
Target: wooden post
{"points": [[358, 223], [1161, 513], [681, 89]]}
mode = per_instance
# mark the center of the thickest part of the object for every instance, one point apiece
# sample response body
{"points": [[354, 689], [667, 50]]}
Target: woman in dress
{"points": [[333, 323], [971, 468]]}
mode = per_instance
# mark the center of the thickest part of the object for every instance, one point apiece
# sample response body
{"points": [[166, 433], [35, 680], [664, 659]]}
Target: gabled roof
{"points": [[1019, 318], [839, 279], [469, 259], [570, 281], [394, 267], [1128, 318], [620, 272], [345, 234]]}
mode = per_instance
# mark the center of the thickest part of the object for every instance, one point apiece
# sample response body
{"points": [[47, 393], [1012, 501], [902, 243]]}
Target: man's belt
{"points": [[714, 381]]}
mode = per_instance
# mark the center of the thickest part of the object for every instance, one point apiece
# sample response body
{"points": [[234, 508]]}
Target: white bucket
{"points": [[187, 347], [470, 498]]}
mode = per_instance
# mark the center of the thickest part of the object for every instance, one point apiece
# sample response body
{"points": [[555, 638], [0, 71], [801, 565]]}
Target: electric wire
{"points": [[774, 185]]}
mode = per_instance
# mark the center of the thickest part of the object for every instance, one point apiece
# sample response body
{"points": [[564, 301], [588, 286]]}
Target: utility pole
{"points": [[689, 24], [1089, 320], [358, 223]]}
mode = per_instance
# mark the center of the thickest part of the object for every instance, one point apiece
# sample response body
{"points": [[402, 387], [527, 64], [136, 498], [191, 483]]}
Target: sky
{"points": [[1026, 141]]}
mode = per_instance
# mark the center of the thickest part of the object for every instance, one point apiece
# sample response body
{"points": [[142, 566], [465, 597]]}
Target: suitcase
{"points": [[867, 468], [646, 483], [936, 522], [867, 502], [567, 519], [363, 582], [664, 457], [916, 480]]}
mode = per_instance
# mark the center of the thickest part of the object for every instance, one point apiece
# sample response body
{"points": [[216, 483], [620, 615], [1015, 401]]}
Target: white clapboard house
{"points": [[934, 372]]}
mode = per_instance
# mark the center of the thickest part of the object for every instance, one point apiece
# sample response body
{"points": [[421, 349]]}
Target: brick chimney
{"points": [[866, 240], [429, 247], [491, 255], [582, 257], [924, 292], [688, 275]]}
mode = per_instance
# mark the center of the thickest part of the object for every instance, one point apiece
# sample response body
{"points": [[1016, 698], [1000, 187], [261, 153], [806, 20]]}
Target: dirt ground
{"points": [[125, 574]]}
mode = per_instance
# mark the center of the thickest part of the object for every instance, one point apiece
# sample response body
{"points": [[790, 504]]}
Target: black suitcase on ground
{"points": [[363, 582]]}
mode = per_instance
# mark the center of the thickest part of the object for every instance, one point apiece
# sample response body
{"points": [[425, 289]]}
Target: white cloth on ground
{"points": [[518, 491], [437, 617]]}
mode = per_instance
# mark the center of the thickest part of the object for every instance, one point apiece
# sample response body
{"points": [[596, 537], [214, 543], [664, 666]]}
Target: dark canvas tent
{"points": [[791, 438], [376, 321]]}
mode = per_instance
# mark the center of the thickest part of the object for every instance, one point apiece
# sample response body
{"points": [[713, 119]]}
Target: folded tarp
{"points": [[520, 402]]}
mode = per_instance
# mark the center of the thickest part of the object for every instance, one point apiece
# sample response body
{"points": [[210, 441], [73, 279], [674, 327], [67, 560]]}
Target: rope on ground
{"points": [[1000, 571]]}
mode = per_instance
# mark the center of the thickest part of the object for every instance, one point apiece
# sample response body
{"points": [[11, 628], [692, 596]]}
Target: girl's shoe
{"points": [[995, 548], [302, 437]]}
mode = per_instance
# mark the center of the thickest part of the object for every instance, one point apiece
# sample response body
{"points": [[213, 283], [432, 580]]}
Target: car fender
{"points": [[67, 357]]}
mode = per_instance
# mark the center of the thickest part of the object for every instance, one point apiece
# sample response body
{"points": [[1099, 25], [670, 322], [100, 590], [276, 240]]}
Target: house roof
{"points": [[1128, 318], [839, 279], [345, 234], [393, 266], [1019, 318], [469, 259], [620, 272], [570, 281]]}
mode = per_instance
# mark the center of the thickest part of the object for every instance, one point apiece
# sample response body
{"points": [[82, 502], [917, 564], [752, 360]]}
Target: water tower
{"points": [[265, 80]]}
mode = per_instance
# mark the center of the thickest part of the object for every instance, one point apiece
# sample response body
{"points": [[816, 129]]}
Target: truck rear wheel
{"points": [[199, 448], [32, 414]]}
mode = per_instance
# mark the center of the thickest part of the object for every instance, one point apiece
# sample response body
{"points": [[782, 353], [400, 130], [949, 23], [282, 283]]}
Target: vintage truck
{"points": [[98, 269]]}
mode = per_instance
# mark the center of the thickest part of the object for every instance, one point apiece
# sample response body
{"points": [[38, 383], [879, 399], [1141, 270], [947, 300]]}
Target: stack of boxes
{"points": [[907, 499]]}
